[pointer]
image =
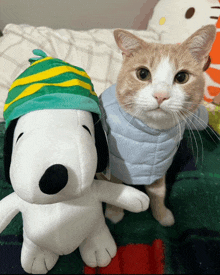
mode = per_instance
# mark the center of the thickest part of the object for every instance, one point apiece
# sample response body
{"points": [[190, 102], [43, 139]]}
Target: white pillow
{"points": [[93, 50]]}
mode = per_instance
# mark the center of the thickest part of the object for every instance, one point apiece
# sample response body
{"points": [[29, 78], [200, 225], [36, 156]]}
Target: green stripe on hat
{"points": [[46, 84], [59, 78], [44, 71]]}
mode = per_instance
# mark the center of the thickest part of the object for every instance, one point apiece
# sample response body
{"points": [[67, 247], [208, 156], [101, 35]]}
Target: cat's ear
{"points": [[200, 44], [127, 42]]}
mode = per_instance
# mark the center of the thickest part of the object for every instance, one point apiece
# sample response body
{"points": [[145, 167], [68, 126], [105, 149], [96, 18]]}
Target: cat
{"points": [[157, 95]]}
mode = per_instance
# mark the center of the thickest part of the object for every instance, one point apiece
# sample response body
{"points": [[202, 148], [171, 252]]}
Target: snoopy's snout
{"points": [[54, 179]]}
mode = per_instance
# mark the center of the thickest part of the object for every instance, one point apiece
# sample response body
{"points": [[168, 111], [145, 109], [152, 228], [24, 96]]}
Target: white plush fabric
{"points": [[94, 50]]}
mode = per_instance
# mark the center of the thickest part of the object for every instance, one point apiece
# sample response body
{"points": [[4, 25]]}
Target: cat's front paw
{"points": [[114, 213], [167, 219]]}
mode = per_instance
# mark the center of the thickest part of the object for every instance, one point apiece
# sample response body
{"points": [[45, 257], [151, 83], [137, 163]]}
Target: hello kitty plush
{"points": [[174, 21], [54, 145]]}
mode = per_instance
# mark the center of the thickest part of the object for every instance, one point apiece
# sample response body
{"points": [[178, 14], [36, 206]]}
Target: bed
{"points": [[192, 245]]}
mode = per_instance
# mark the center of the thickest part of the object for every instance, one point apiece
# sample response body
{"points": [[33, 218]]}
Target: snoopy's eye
{"points": [[189, 13], [21, 134], [84, 126]]}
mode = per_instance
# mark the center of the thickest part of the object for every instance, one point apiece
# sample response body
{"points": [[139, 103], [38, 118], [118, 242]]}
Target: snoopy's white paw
{"points": [[113, 213], [99, 257], [99, 249], [35, 260], [138, 201]]}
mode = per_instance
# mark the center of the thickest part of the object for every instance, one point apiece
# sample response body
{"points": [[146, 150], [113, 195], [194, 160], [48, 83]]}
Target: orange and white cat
{"points": [[157, 95]]}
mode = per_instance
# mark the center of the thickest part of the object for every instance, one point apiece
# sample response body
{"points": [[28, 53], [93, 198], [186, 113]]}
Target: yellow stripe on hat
{"points": [[41, 60], [37, 86], [46, 75]]}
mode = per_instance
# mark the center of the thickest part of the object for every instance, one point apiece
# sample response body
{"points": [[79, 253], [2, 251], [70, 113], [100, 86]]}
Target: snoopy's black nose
{"points": [[54, 179]]}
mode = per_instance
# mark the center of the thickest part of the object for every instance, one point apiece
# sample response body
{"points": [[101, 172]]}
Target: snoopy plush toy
{"points": [[54, 145]]}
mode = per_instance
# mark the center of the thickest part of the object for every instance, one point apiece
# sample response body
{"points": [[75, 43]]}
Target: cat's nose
{"points": [[161, 97]]}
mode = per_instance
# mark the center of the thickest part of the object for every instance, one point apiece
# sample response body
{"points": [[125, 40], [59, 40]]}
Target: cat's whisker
{"points": [[201, 122], [174, 108], [190, 133], [133, 117], [103, 114], [140, 104], [124, 105], [127, 104], [191, 130], [98, 121], [199, 134], [191, 102], [187, 103], [183, 119], [131, 100], [179, 127], [140, 99]]}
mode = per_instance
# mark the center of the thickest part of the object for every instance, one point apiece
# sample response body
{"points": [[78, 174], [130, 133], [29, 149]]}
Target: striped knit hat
{"points": [[50, 83]]}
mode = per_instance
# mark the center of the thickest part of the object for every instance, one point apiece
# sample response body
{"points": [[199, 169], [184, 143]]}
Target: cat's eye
{"points": [[181, 77], [143, 74]]}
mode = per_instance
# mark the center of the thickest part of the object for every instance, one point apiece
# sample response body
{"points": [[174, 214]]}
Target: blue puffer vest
{"points": [[139, 155]]}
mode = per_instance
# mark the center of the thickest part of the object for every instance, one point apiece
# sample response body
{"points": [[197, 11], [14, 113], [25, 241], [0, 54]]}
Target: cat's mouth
{"points": [[158, 109], [158, 112]]}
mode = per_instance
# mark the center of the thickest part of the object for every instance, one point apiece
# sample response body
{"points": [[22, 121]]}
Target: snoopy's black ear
{"points": [[101, 144], [8, 143]]}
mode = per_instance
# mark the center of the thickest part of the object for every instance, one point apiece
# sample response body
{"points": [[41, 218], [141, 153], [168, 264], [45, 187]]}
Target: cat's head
{"points": [[162, 84]]}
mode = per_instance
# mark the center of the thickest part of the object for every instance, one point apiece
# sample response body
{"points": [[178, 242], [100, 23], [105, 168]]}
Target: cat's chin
{"points": [[157, 119]]}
